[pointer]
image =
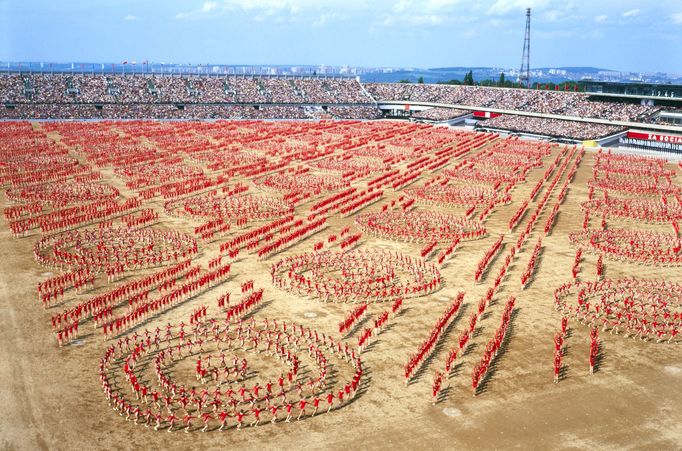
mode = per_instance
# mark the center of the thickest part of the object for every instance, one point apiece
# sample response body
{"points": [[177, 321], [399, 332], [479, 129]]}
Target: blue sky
{"points": [[639, 35]]}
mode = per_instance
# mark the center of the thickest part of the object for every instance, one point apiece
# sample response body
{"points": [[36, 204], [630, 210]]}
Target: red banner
{"points": [[656, 137], [486, 114]]}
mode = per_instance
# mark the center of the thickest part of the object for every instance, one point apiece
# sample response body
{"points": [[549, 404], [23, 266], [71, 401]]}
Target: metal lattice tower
{"points": [[524, 73]]}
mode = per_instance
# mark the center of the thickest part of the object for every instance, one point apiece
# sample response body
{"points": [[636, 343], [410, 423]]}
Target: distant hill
{"points": [[591, 70], [463, 69], [488, 69], [442, 74]]}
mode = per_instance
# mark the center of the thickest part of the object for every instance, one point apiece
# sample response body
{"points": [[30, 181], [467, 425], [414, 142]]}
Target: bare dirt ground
{"points": [[52, 398]]}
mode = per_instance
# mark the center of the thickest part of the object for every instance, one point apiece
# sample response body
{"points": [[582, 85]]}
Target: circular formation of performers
{"points": [[419, 226], [451, 195], [102, 249], [640, 308], [358, 275], [297, 183], [242, 208], [246, 373], [637, 246]]}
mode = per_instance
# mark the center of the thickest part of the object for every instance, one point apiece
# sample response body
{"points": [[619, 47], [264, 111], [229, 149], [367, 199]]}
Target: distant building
{"points": [[635, 89]]}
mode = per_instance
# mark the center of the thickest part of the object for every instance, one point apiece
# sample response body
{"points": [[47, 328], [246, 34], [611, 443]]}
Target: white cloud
{"points": [[267, 5], [502, 7], [325, 19], [421, 13], [441, 5], [601, 19], [278, 10], [497, 23], [130, 17], [208, 6], [543, 11], [557, 16], [554, 16], [676, 18], [416, 20], [320, 12], [402, 6], [555, 34], [632, 13]]}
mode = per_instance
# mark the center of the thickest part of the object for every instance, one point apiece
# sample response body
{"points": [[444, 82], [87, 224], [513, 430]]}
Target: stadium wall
{"points": [[396, 105]]}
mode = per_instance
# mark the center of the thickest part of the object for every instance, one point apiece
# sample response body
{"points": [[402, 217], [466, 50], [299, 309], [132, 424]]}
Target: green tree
{"points": [[420, 80], [501, 83], [469, 78], [451, 82], [404, 80]]}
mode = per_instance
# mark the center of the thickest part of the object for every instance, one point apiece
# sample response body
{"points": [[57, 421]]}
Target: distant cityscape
{"points": [[366, 74], [542, 75]]}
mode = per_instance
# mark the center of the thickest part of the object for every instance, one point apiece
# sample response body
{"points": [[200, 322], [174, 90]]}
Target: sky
{"points": [[628, 35]]}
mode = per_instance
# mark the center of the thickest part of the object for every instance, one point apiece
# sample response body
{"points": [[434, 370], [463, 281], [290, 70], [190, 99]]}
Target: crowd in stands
{"points": [[156, 96], [551, 127], [440, 114], [11, 88], [575, 104], [667, 119], [190, 111], [354, 112], [156, 88]]}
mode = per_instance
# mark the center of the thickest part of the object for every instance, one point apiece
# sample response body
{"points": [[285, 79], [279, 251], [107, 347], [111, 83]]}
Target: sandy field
{"points": [[52, 397]]}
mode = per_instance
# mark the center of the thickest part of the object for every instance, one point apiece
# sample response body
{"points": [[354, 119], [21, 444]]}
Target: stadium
{"points": [[274, 261], [640, 120]]}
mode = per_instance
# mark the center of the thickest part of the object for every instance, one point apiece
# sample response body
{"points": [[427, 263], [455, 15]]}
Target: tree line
{"points": [[504, 82]]}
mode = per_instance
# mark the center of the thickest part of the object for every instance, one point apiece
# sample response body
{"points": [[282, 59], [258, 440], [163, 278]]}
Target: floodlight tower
{"points": [[524, 73]]}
